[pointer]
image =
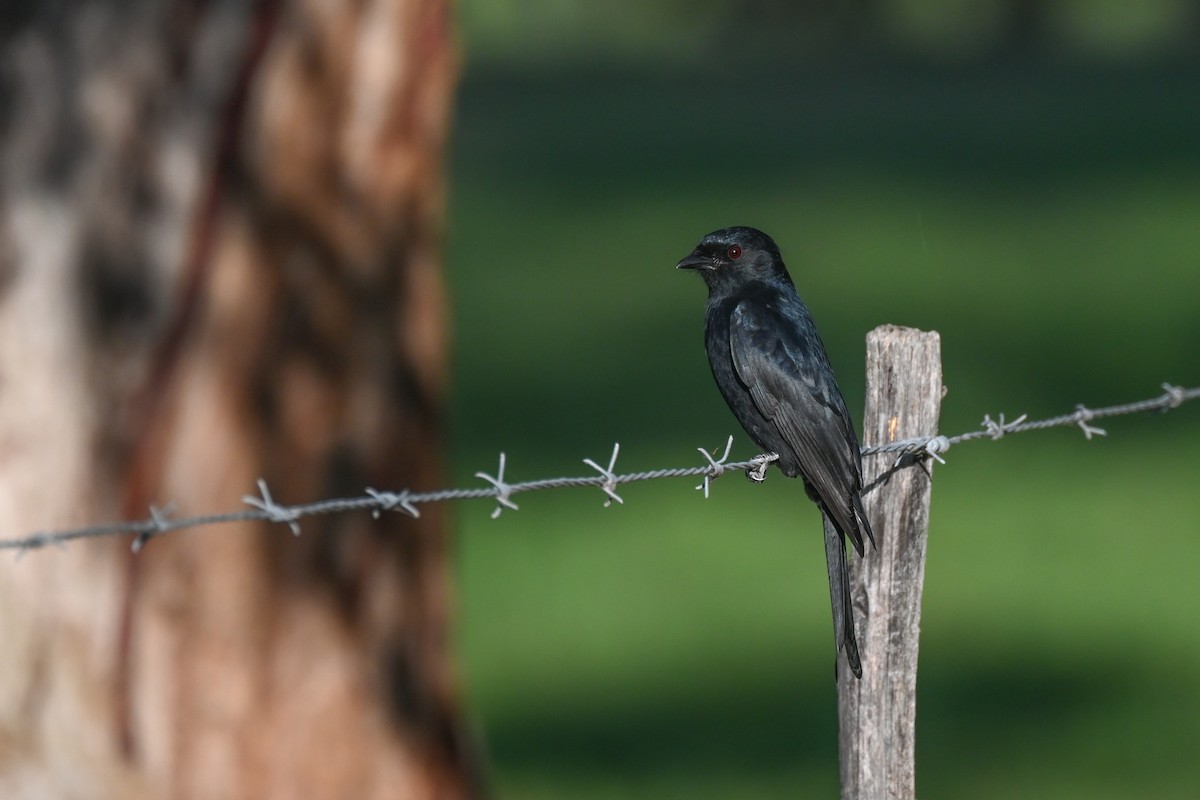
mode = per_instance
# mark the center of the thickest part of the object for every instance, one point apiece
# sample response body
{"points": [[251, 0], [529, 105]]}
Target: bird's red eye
{"points": [[734, 252]]}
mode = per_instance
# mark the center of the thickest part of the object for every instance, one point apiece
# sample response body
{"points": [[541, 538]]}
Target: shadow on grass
{"points": [[1021, 712], [753, 726]]}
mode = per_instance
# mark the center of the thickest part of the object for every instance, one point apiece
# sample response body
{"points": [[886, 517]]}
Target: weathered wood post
{"points": [[877, 715]]}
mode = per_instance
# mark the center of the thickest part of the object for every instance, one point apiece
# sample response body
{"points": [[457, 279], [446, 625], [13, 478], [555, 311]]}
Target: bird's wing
{"points": [[790, 382]]}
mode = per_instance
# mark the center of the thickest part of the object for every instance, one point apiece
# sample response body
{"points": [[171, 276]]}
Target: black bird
{"points": [[771, 367]]}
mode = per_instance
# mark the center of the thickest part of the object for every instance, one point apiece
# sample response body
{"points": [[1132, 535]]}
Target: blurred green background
{"points": [[1024, 178]]}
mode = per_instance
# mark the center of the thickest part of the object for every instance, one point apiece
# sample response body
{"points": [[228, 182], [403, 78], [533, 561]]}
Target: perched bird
{"points": [[771, 367]]}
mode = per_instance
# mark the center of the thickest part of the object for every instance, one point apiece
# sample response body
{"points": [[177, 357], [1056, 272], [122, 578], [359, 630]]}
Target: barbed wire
{"points": [[262, 507], [934, 446]]}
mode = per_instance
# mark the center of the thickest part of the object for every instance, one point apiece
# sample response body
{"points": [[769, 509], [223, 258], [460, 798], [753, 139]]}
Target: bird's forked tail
{"points": [[839, 596]]}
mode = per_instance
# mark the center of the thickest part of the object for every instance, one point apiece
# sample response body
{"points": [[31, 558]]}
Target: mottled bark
{"points": [[219, 260]]}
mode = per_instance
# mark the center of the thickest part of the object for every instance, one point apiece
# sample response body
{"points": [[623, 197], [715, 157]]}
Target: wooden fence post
{"points": [[877, 714]]}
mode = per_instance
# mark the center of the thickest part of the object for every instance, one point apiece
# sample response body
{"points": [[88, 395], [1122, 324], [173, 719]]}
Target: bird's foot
{"points": [[757, 472]]}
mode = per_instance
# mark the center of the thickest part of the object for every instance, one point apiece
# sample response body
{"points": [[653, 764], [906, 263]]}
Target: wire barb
{"points": [[936, 446], [1082, 417], [503, 490], [997, 429], [36, 542], [162, 524], [716, 466], [274, 511], [391, 501], [609, 487], [1175, 395]]}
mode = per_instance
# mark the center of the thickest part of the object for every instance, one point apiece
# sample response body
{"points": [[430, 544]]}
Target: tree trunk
{"points": [[219, 260]]}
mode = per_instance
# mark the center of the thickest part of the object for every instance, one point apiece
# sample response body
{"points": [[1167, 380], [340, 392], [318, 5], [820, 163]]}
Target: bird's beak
{"points": [[696, 260]]}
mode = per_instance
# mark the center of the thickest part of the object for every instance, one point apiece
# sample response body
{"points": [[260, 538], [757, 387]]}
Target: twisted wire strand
{"points": [[262, 507]]}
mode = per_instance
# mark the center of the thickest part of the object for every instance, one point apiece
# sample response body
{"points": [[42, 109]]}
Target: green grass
{"points": [[1045, 222]]}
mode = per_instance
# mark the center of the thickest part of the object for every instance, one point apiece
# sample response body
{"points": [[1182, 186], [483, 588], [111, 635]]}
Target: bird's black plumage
{"points": [[770, 364]]}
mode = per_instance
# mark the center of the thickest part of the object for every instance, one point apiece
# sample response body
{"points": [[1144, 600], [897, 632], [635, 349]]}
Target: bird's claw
{"points": [[757, 472]]}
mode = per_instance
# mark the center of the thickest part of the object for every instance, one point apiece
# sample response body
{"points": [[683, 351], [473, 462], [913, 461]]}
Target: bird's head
{"points": [[732, 257]]}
